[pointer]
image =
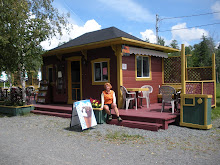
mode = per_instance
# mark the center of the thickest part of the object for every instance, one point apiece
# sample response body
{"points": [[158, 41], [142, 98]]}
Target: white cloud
{"points": [[148, 34], [130, 9], [216, 8], [75, 31], [187, 34], [185, 43], [217, 45]]}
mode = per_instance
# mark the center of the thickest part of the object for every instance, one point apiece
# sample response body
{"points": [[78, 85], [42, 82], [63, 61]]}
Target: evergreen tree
{"points": [[147, 40], [217, 62], [161, 41], [174, 44], [188, 51], [202, 54]]}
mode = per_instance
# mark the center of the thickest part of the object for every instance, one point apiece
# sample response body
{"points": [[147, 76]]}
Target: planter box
{"points": [[100, 115], [16, 111], [195, 111]]}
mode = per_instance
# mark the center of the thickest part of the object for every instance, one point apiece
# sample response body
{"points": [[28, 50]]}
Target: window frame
{"points": [[100, 60], [143, 78]]}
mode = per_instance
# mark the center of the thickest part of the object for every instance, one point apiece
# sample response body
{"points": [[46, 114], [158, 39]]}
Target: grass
{"points": [[122, 137], [216, 111]]}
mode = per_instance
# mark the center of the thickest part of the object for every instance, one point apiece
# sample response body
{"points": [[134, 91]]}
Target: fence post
{"points": [[162, 70], [183, 69], [214, 77], [213, 67]]}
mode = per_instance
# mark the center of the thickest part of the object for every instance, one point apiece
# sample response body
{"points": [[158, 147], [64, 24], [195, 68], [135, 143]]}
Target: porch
{"points": [[144, 118]]}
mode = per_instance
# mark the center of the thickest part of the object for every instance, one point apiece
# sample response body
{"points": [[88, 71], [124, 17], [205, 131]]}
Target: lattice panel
{"points": [[193, 88], [199, 74], [208, 88], [172, 70]]}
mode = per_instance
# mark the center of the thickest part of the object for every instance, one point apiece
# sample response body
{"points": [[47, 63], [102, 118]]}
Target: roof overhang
{"points": [[110, 42], [148, 52]]}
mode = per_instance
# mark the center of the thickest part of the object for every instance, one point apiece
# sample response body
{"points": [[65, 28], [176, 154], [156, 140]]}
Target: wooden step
{"points": [[64, 115], [54, 109], [137, 124]]}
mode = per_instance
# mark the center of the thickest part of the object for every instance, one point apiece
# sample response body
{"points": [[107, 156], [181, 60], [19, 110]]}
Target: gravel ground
{"points": [[35, 139]]}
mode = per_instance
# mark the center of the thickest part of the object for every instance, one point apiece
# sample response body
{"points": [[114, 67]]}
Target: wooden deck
{"points": [[142, 118]]}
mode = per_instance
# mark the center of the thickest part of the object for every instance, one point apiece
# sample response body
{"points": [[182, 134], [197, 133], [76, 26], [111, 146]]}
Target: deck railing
{"points": [[202, 87]]}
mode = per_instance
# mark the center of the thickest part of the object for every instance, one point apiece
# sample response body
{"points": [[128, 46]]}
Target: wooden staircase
{"points": [[146, 119], [53, 110], [152, 121]]}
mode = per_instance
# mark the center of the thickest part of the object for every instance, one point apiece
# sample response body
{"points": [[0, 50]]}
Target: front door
{"points": [[50, 75], [75, 80]]}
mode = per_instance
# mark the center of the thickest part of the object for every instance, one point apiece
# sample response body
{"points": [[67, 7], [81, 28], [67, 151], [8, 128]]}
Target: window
{"points": [[143, 68], [100, 71]]}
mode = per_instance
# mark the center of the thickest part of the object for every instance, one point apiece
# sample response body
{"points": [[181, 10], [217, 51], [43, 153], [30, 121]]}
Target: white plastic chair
{"points": [[128, 99], [167, 92], [146, 94]]}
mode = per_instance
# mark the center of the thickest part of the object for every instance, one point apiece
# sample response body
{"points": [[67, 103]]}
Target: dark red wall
{"points": [[89, 90], [94, 91], [156, 71], [55, 95]]}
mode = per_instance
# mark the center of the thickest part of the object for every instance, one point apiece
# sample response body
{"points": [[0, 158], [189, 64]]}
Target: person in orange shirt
{"points": [[108, 101]]}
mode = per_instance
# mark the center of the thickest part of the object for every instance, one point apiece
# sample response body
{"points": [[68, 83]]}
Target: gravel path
{"points": [[35, 139]]}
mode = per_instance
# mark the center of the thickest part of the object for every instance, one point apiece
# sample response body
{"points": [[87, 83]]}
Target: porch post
{"points": [[214, 76], [69, 101], [118, 54], [183, 69], [162, 71]]}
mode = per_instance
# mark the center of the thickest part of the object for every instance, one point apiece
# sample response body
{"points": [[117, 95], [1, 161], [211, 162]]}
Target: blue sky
{"points": [[138, 18]]}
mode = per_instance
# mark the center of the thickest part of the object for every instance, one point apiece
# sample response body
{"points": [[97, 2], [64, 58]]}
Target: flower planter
{"points": [[16, 110], [100, 115]]}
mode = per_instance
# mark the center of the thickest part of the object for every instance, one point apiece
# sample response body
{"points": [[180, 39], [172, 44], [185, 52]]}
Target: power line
{"points": [[194, 15], [191, 27]]}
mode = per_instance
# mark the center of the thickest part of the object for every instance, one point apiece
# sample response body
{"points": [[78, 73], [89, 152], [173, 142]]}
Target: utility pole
{"points": [[157, 21]]}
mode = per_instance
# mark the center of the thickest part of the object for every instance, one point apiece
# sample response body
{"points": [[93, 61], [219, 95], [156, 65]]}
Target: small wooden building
{"points": [[79, 68]]}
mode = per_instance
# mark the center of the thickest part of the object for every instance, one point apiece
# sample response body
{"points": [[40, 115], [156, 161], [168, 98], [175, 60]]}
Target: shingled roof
{"points": [[96, 36]]}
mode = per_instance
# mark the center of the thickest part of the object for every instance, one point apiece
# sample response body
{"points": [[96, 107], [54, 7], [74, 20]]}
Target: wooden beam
{"points": [[183, 69], [84, 53]]}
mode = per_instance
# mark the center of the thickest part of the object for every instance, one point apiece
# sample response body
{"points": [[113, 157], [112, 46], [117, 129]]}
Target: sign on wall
{"points": [[83, 114], [124, 66]]}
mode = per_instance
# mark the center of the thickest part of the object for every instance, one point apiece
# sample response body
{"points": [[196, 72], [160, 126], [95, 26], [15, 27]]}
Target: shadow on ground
{"points": [[77, 128]]}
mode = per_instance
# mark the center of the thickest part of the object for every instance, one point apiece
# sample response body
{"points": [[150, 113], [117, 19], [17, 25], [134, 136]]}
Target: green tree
{"points": [[147, 40], [217, 62], [188, 51], [202, 54], [161, 41], [174, 44], [24, 24]]}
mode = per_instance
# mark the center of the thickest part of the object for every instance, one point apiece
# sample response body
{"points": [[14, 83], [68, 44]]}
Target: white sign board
{"points": [[83, 114], [124, 66]]}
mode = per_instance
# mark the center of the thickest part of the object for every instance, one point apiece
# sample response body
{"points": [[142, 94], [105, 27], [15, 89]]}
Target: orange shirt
{"points": [[108, 97]]}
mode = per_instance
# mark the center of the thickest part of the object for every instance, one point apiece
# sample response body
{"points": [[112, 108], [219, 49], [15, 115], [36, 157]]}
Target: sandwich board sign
{"points": [[83, 114]]}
